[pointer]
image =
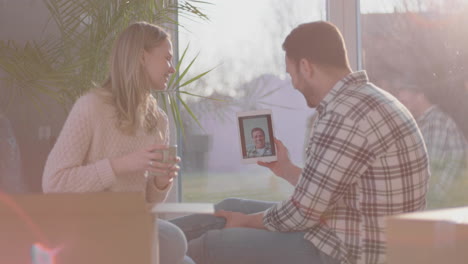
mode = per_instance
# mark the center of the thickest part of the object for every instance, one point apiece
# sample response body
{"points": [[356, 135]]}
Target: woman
{"points": [[110, 139]]}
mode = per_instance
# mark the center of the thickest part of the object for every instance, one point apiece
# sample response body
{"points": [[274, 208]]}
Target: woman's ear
{"points": [[143, 57]]}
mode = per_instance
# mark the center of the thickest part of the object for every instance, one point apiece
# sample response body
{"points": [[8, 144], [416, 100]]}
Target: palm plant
{"points": [[173, 92], [65, 67]]}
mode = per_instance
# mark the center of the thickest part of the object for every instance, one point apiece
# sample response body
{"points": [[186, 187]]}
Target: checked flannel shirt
{"points": [[446, 147], [366, 160], [252, 151]]}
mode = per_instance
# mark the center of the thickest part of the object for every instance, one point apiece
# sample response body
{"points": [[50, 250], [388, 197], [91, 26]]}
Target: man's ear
{"points": [[306, 68]]}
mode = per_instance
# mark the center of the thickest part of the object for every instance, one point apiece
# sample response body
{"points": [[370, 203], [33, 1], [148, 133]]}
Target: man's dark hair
{"points": [[320, 42], [257, 129]]}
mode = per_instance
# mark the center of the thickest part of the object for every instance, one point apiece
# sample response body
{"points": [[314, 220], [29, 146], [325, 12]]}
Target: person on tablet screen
{"points": [[260, 147]]}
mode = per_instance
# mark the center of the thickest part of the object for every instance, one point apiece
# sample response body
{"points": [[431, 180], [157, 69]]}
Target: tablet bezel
{"points": [[264, 113]]}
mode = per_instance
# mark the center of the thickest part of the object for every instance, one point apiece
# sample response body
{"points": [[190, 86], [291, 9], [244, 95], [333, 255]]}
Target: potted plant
{"points": [[57, 70]]}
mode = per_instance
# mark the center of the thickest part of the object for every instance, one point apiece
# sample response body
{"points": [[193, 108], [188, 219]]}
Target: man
{"points": [[366, 160], [445, 143], [260, 148]]}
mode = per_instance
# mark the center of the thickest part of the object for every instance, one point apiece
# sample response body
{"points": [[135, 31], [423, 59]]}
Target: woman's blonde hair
{"points": [[128, 85]]}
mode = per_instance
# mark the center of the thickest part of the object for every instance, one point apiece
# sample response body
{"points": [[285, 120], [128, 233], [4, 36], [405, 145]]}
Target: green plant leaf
{"points": [[65, 67], [195, 78], [189, 111], [202, 96]]}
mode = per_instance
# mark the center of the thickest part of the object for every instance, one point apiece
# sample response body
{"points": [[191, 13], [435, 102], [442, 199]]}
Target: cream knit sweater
{"points": [[79, 160]]}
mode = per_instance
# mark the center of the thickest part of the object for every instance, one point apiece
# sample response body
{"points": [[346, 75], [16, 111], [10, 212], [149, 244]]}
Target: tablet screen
{"points": [[256, 136]]}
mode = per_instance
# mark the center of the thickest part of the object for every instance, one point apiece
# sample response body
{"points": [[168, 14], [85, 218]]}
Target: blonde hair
{"points": [[128, 85]]}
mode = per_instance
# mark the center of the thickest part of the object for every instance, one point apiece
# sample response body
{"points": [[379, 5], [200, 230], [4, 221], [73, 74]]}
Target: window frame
{"points": [[345, 14]]}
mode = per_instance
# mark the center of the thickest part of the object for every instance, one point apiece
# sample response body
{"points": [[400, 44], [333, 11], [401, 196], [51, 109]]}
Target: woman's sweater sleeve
{"points": [[64, 170], [154, 195]]}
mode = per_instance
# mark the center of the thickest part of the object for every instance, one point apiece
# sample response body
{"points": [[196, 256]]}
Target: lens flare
{"points": [[43, 255]]}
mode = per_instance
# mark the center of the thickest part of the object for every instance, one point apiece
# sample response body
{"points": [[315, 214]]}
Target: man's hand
{"points": [[235, 219], [283, 167]]}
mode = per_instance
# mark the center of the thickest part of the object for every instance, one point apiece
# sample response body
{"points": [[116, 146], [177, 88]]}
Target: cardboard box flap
{"points": [[456, 215], [429, 237], [75, 228], [183, 208], [74, 203]]}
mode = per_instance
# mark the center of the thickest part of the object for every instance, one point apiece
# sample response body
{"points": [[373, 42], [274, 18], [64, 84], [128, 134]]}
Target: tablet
{"points": [[256, 136]]}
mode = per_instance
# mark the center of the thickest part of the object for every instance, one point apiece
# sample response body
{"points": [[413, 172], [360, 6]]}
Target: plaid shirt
{"points": [[446, 147], [252, 151], [366, 160]]}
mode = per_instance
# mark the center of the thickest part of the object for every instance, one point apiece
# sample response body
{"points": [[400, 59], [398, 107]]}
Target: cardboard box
{"points": [[101, 228], [429, 237], [176, 209]]}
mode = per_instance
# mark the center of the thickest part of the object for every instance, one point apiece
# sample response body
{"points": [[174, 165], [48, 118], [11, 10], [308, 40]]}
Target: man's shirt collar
{"points": [[352, 79]]}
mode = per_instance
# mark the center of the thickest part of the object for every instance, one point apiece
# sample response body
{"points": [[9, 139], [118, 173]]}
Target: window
{"points": [[418, 51], [242, 41]]}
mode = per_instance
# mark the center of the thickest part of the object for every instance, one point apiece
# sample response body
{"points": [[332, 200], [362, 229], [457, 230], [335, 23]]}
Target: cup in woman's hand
{"points": [[168, 155]]}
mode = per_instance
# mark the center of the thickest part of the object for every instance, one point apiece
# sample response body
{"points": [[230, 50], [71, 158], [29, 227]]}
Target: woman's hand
{"points": [[149, 160], [164, 172]]}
